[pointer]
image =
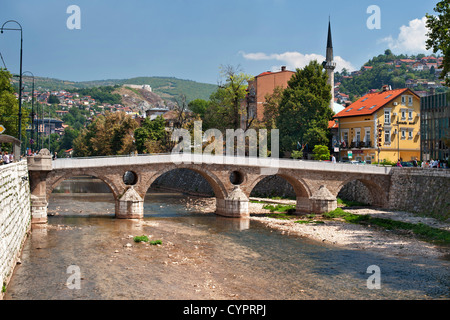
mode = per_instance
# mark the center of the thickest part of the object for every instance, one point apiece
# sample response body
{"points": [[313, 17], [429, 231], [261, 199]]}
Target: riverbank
{"points": [[337, 232]]}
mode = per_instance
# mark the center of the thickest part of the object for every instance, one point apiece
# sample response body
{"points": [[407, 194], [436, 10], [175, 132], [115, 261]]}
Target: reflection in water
{"points": [[202, 256]]}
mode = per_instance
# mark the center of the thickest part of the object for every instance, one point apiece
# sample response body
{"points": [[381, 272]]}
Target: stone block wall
{"points": [[15, 216], [420, 190]]}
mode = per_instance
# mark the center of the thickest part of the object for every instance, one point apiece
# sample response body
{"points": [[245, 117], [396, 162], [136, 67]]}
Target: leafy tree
{"points": [[226, 109], [271, 107], [199, 107], [111, 134], [68, 138], [53, 99], [439, 35], [321, 153], [151, 136], [304, 110], [9, 107]]}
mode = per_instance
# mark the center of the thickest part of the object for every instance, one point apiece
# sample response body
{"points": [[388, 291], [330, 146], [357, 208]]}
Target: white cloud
{"points": [[411, 39], [294, 60]]}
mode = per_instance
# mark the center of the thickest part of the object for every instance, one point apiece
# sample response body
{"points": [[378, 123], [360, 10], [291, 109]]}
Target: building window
{"points": [[345, 138], [387, 137], [403, 133], [367, 138], [410, 134], [403, 112], [410, 101], [410, 114], [358, 135], [387, 116], [403, 100]]}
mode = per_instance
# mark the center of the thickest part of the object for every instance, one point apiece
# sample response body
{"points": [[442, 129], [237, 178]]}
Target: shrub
{"points": [[140, 239]]}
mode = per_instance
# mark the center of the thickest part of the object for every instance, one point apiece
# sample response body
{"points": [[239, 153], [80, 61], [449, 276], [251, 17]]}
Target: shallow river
{"points": [[84, 253]]}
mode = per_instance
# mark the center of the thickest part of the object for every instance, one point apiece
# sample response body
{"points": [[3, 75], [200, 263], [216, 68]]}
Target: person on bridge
{"points": [[399, 164]]}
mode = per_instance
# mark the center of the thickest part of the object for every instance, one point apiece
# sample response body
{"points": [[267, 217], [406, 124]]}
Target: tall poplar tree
{"points": [[304, 109]]}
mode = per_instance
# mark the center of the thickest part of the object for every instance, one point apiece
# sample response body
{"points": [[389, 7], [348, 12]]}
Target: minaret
{"points": [[330, 65]]}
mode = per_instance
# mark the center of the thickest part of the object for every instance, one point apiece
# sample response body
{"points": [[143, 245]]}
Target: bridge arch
{"points": [[55, 178], [216, 184], [376, 192], [300, 187]]}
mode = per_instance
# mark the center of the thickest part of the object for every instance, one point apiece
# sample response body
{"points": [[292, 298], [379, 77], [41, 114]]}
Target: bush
{"points": [[140, 239], [296, 154], [321, 153]]}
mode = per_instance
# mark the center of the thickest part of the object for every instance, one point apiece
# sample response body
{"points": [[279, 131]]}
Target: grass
{"points": [[145, 239], [349, 203], [140, 239], [422, 230], [290, 208], [309, 221]]}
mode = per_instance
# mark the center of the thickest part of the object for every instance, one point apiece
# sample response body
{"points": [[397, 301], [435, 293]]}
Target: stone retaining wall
{"points": [[15, 216], [421, 190]]}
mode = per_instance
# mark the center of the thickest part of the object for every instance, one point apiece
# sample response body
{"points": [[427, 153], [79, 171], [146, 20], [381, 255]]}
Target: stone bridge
{"points": [[316, 184]]}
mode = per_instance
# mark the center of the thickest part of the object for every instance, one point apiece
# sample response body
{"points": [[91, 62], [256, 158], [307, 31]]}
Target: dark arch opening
{"points": [[81, 195], [358, 192], [185, 187], [273, 186]]}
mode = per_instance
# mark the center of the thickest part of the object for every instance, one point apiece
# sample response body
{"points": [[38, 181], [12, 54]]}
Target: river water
{"points": [[85, 253]]}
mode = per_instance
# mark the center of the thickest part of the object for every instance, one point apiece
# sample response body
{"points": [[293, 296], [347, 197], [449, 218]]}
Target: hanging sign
{"points": [[2, 129]]}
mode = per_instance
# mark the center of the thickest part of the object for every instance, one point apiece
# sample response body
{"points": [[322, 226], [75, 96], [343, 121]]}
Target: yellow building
{"points": [[381, 126]]}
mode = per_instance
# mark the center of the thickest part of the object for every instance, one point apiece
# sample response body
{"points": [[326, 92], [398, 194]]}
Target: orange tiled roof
{"points": [[332, 124], [371, 103]]}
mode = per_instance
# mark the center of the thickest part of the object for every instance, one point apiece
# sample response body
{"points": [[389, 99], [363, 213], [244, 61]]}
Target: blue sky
{"points": [[191, 39]]}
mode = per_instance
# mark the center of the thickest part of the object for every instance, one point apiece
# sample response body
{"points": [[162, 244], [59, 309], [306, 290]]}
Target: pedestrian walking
{"points": [[6, 158]]}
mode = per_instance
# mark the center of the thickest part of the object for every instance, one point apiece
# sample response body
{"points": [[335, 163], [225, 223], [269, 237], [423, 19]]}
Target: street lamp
{"points": [[32, 113], [20, 73]]}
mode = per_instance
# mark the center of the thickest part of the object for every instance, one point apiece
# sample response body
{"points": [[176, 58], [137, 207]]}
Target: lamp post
{"points": [[339, 139], [20, 73], [32, 113]]}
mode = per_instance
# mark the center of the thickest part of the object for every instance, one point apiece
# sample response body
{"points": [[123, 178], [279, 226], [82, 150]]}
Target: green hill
{"points": [[397, 71], [166, 87]]}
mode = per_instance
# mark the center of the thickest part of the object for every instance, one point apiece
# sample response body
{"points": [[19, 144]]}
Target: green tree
{"points": [[271, 108], [321, 153], [151, 136], [9, 107], [111, 134], [199, 107], [226, 107], [304, 109], [53, 99], [439, 35]]}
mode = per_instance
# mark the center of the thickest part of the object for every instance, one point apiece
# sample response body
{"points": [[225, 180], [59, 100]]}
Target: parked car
{"points": [[357, 162], [407, 164]]}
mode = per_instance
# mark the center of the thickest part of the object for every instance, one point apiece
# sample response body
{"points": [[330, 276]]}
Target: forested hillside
{"points": [[419, 73]]}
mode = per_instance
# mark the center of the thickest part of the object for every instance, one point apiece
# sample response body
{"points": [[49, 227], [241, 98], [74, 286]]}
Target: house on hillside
{"points": [[381, 125]]}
